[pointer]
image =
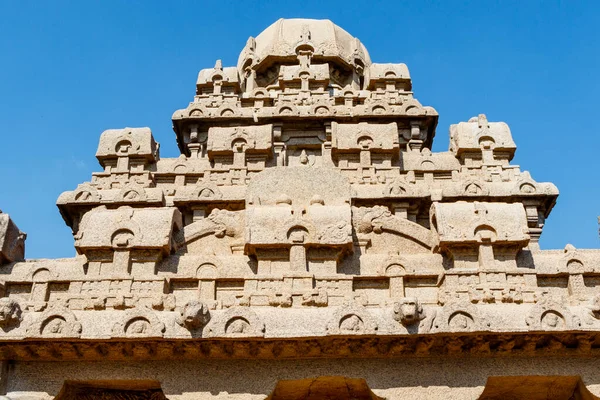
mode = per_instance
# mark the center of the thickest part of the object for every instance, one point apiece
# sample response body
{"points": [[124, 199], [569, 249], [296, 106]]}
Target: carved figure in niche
{"points": [[473, 188], [351, 323], [552, 320], [351, 318], [55, 322], [297, 234], [54, 326], [237, 326], [138, 326], [550, 314], [408, 311], [460, 316], [10, 312], [460, 321], [194, 315], [122, 238], [122, 148], [138, 322], [235, 321], [364, 142]]}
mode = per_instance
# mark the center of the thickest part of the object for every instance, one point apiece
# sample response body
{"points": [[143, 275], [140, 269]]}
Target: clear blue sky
{"points": [[69, 70]]}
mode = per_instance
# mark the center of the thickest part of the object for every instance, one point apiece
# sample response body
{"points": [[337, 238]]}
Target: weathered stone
{"points": [[306, 218]]}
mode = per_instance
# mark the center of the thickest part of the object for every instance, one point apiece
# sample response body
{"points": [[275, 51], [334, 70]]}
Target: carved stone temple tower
{"points": [[306, 244]]}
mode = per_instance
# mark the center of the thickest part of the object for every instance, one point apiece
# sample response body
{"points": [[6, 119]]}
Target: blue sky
{"points": [[69, 70]]}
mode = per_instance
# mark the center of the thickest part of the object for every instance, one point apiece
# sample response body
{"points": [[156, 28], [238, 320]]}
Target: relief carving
{"points": [[351, 319], [55, 322], [138, 323], [10, 313], [370, 219], [460, 317], [228, 223], [409, 312], [235, 322], [549, 314], [195, 315]]}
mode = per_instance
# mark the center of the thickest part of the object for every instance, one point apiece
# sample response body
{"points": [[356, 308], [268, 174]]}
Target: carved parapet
{"points": [[129, 194], [210, 78], [128, 228], [130, 143], [298, 206], [462, 223], [255, 138], [315, 75], [388, 76], [477, 138], [12, 240], [365, 138], [425, 161], [321, 224]]}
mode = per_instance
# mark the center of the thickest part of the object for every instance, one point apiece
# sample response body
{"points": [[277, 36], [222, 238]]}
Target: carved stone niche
{"points": [[460, 317], [299, 209], [240, 147], [138, 323], [235, 322], [118, 147], [550, 315], [473, 232], [56, 322], [152, 231], [357, 145], [478, 141], [352, 319]]}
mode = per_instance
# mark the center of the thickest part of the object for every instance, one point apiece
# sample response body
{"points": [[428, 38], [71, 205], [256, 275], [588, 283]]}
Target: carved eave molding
{"points": [[531, 344]]}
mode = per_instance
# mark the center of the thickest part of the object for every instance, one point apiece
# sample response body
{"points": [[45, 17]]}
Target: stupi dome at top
{"points": [[286, 39]]}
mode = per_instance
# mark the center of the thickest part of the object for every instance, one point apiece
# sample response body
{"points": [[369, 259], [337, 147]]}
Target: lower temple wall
{"points": [[414, 378]]}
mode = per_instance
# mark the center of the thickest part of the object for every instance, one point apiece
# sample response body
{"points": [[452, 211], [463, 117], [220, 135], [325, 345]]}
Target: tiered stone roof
{"points": [[305, 217]]}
